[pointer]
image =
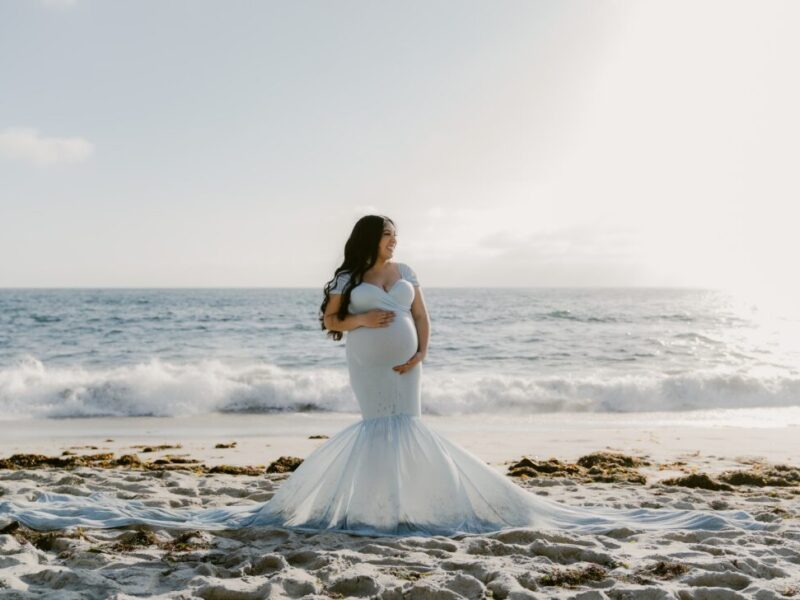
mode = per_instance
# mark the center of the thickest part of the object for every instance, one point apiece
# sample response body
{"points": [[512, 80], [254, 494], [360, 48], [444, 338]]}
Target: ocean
{"points": [[506, 351]]}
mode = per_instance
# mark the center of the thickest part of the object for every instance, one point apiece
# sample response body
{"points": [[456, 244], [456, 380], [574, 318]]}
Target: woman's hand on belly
{"points": [[377, 318], [410, 363], [383, 346]]}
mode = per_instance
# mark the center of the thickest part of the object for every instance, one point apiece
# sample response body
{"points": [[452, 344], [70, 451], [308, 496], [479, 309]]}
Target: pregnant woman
{"points": [[388, 473]]}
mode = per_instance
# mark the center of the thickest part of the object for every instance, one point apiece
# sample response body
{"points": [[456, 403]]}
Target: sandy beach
{"points": [[465, 265], [639, 461]]}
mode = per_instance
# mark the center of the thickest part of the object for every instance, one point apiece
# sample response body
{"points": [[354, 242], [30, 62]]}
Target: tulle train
{"points": [[391, 476]]}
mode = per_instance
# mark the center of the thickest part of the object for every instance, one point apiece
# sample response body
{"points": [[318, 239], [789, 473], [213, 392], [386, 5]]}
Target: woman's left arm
{"points": [[423, 324]]}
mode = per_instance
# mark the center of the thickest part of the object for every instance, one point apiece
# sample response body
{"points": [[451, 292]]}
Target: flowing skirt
{"points": [[386, 476]]}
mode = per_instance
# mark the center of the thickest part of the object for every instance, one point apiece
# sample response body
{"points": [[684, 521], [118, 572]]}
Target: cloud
{"points": [[28, 145], [499, 246], [574, 243]]}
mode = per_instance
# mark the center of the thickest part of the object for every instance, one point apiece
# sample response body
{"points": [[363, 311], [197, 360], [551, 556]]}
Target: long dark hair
{"points": [[360, 254]]}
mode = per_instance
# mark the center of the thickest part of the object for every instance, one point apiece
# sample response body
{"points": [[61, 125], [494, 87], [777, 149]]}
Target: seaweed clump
{"points": [[158, 448], [573, 577], [662, 569], [698, 480], [605, 467], [141, 536], [46, 541], [108, 461], [236, 470], [138, 538], [761, 475], [284, 464], [528, 467], [172, 459], [36, 461]]}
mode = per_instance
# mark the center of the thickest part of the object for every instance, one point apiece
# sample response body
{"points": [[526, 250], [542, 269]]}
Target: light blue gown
{"points": [[387, 474]]}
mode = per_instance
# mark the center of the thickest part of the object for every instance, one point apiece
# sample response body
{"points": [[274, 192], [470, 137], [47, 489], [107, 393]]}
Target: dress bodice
{"points": [[367, 296]]}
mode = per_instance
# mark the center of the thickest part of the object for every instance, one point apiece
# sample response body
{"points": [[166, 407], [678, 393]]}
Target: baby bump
{"points": [[383, 346]]}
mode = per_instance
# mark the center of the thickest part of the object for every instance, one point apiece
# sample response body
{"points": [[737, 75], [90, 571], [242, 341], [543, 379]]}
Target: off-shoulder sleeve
{"points": [[408, 274], [339, 283]]}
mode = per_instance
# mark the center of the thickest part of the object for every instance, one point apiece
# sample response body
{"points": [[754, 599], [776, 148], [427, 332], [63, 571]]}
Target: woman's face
{"points": [[388, 242]]}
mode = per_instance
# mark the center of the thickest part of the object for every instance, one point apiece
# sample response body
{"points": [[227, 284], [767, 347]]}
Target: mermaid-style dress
{"points": [[387, 474]]}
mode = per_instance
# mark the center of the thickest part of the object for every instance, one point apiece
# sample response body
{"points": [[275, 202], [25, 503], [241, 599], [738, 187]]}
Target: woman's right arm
{"points": [[334, 323], [373, 318]]}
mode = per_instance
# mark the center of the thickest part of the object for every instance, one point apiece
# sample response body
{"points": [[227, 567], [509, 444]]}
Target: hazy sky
{"points": [[197, 143]]}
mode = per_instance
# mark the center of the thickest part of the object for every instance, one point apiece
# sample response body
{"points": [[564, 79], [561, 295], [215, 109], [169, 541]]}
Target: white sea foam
{"points": [[618, 393], [161, 388]]}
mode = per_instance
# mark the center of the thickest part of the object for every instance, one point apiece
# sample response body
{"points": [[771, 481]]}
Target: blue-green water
{"points": [[85, 352]]}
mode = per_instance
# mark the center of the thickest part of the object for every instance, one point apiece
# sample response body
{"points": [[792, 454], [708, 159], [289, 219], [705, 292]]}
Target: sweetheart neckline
{"points": [[380, 287]]}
